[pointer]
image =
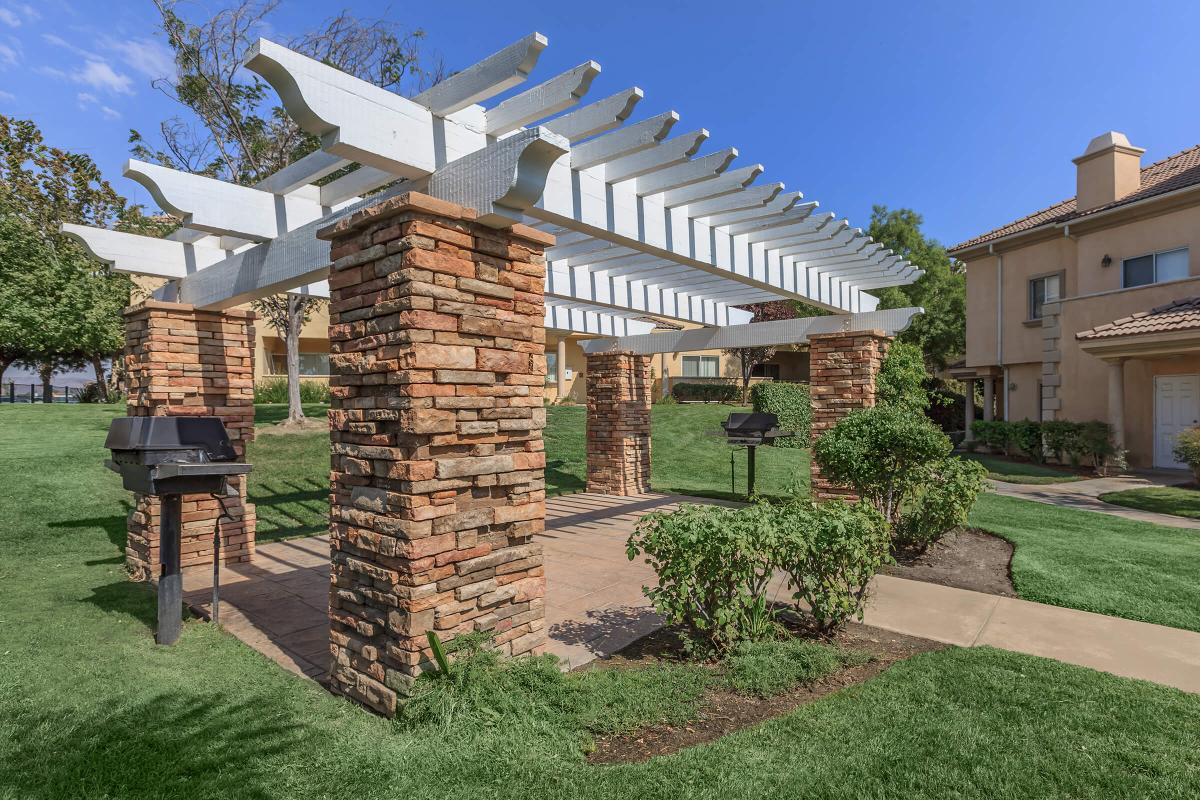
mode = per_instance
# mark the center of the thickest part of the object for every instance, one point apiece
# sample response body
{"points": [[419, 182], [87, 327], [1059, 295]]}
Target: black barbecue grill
{"points": [[168, 457], [750, 431]]}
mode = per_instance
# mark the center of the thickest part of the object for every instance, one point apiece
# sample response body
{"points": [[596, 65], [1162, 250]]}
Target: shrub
{"points": [[995, 435], [275, 390], [1060, 437], [899, 461], [713, 566], [901, 378], [790, 402], [830, 552], [1187, 450], [90, 393], [1095, 444], [705, 392], [1026, 436], [941, 503], [946, 406]]}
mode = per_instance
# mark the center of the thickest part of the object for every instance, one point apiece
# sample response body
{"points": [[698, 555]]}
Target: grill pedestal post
{"points": [[170, 579], [749, 471]]}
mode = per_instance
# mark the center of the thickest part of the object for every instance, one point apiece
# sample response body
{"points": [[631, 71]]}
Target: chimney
{"points": [[1108, 170]]}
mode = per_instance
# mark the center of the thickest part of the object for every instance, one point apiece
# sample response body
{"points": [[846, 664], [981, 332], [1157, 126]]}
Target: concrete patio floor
{"points": [[595, 605]]}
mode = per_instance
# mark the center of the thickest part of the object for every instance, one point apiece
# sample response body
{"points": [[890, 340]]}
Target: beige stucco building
{"points": [[1082, 310]]}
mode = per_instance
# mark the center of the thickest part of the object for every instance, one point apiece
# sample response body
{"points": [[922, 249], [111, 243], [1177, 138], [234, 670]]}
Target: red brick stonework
{"points": [[184, 362], [438, 368], [618, 423], [842, 369]]}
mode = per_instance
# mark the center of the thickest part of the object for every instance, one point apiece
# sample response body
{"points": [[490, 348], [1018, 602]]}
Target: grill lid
{"points": [[150, 434], [750, 423]]}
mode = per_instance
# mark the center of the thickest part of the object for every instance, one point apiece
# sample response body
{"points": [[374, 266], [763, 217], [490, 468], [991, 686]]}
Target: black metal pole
{"points": [[170, 579], [750, 470], [216, 594], [12, 392]]}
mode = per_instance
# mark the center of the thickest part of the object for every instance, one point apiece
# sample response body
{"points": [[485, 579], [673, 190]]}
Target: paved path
{"points": [[1085, 495], [595, 604]]}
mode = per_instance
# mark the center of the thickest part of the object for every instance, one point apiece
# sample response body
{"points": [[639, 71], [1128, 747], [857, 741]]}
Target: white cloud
{"points": [[110, 113], [99, 75], [10, 18], [14, 14], [86, 99], [8, 56], [146, 56], [8, 96], [52, 72]]}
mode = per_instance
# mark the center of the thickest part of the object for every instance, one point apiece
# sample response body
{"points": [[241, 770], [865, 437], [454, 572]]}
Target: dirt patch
{"points": [[309, 425], [966, 559], [723, 711]]}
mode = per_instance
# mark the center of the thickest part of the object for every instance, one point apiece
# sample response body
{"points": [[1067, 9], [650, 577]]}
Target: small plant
{"points": [[769, 668], [705, 392], [439, 653], [1187, 450], [274, 390], [941, 503], [996, 435], [792, 403]]}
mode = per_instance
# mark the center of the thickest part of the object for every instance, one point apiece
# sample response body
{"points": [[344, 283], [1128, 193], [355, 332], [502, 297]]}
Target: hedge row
{"points": [[275, 390], [790, 402], [1066, 442], [705, 392]]}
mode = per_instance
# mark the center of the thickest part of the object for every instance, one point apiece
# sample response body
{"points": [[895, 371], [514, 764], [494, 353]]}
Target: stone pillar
{"points": [[618, 423], [989, 399], [969, 408], [1116, 401], [560, 368], [438, 370], [185, 362], [842, 371]]}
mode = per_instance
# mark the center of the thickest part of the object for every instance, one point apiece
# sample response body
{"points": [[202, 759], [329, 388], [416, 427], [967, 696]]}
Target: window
{"points": [[1046, 289], [1169, 265], [551, 366], [310, 363], [765, 371], [700, 366]]}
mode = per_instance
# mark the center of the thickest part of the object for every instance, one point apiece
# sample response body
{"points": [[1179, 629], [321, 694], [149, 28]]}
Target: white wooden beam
{"points": [[659, 156], [312, 167], [143, 255], [598, 117], [491, 76], [630, 139], [556, 94], [728, 182], [687, 173], [753, 197]]}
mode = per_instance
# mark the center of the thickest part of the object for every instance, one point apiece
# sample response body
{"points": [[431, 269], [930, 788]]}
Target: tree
{"points": [[238, 133], [941, 331], [287, 314], [750, 357]]}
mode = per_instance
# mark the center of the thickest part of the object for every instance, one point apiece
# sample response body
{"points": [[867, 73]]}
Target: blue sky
{"points": [[967, 112]]}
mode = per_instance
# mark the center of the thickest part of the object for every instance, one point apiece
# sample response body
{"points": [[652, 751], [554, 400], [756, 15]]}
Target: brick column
{"points": [[438, 370], [185, 362], [618, 423], [843, 367]]}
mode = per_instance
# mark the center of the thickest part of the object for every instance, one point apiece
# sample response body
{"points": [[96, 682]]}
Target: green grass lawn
{"points": [[1009, 471], [91, 708], [1097, 562], [1174, 500]]}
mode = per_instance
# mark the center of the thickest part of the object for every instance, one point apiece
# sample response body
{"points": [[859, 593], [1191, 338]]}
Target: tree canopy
{"points": [[941, 331]]}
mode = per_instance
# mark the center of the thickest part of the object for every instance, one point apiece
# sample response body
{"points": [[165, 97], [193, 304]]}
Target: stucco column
{"points": [[1116, 400], [989, 399], [560, 368], [969, 406]]}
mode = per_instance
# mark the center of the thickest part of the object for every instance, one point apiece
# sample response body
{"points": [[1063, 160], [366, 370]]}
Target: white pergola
{"points": [[647, 224]]}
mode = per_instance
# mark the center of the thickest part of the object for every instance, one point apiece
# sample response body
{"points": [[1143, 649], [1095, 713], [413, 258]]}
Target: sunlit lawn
{"points": [[1178, 501], [1011, 471]]}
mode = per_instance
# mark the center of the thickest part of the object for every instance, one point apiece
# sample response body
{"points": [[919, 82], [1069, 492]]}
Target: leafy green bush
{"points": [[900, 462], [1026, 436], [713, 566], [1061, 439], [1096, 445], [994, 434], [830, 552], [772, 667], [705, 392], [1187, 450], [941, 502], [790, 402], [275, 390], [901, 378]]}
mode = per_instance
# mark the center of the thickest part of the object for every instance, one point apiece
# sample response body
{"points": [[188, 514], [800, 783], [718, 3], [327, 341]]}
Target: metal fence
{"points": [[13, 392]]}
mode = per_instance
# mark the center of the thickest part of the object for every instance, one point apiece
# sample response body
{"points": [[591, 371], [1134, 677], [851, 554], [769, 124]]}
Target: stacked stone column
{"points": [[843, 367], [438, 369], [184, 362], [619, 389]]}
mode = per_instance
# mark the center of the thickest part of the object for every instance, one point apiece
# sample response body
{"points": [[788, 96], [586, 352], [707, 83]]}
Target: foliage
{"points": [[275, 390], [791, 403], [830, 552], [901, 378], [750, 357], [897, 460], [768, 668], [287, 314], [1026, 436], [1187, 449], [941, 502], [947, 406], [993, 434], [940, 332], [1076, 441], [713, 566], [92, 392], [705, 392]]}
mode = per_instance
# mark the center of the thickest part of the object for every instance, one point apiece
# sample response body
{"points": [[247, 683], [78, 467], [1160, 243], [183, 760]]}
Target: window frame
{"points": [[699, 360], [1154, 266], [1029, 303], [551, 366]]}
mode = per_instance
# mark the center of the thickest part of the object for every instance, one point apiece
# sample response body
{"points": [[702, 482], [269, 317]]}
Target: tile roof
{"points": [[1174, 172], [1178, 315]]}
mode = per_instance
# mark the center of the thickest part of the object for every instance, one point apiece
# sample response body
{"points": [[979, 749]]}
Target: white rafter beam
{"points": [[598, 117], [687, 173], [728, 182], [144, 255], [630, 139], [669, 153], [485, 79], [556, 94]]}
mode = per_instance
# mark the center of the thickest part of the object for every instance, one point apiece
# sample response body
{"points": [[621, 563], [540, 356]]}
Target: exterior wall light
{"points": [[1106, 261]]}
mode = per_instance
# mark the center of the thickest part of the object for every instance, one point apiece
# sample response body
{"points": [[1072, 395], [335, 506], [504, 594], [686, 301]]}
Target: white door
{"points": [[1176, 408]]}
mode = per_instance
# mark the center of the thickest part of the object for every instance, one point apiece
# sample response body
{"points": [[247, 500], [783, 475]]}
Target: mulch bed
{"points": [[723, 711], [965, 559]]}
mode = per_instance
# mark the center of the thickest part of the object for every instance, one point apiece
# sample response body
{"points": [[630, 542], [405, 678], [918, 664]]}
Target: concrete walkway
{"points": [[1085, 496], [595, 605]]}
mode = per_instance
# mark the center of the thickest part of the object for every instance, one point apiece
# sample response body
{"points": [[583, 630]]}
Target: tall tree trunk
{"points": [[4, 362], [295, 320], [101, 383], [47, 372]]}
